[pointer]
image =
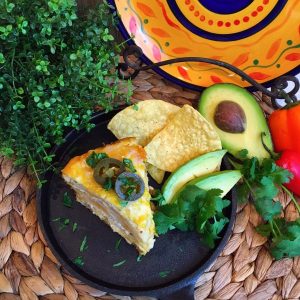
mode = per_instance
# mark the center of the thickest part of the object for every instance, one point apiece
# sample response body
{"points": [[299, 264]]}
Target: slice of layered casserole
{"points": [[112, 182]]}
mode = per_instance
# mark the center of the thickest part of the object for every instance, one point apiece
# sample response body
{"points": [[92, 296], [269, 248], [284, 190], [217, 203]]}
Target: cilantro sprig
{"points": [[261, 182], [194, 210]]}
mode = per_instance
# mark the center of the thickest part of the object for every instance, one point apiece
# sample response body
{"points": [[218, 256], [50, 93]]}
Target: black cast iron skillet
{"points": [[168, 271]]}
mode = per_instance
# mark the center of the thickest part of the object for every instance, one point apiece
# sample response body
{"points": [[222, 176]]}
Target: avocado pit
{"points": [[230, 117]]}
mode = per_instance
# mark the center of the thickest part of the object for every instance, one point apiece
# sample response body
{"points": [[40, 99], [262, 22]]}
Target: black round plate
{"points": [[175, 262]]}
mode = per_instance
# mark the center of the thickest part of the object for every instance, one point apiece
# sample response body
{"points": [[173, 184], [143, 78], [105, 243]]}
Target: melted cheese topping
{"points": [[138, 211]]}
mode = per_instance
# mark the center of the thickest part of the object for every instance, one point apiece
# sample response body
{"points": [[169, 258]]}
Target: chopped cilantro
{"points": [[135, 107], [118, 242], [164, 273], [195, 209], [63, 222], [94, 158], [119, 264], [108, 184], [74, 228], [129, 165], [67, 200], [129, 186], [123, 203], [139, 258], [79, 261], [83, 246]]}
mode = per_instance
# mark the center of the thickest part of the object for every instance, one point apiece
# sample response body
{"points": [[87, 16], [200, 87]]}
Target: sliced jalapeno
{"points": [[108, 169], [129, 186]]}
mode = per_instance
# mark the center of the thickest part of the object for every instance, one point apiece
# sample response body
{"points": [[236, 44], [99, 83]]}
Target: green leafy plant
{"points": [[262, 181], [55, 68], [194, 210]]}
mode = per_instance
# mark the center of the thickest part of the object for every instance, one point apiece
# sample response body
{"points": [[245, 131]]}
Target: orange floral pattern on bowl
{"points": [[266, 54]]}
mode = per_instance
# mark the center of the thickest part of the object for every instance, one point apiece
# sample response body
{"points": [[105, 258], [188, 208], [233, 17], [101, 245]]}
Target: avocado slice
{"points": [[237, 118], [203, 164], [223, 180]]}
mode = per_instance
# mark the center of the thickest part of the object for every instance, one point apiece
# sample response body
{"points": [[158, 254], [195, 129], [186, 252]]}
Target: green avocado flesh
{"points": [[248, 127], [201, 165], [223, 180]]}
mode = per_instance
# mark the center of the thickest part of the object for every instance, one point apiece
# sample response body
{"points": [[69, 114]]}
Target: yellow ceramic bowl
{"points": [[261, 37]]}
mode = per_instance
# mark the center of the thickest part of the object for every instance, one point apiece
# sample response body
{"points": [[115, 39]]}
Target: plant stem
{"points": [[272, 228], [275, 225], [32, 165], [249, 187], [292, 197]]}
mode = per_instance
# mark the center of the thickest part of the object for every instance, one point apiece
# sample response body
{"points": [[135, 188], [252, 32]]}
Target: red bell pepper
{"points": [[290, 160], [285, 128]]}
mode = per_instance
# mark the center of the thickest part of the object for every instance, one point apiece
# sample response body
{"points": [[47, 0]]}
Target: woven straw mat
{"points": [[29, 271]]}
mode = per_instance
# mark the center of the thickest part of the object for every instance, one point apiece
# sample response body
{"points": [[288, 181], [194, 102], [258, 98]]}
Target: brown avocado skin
{"points": [[237, 118]]}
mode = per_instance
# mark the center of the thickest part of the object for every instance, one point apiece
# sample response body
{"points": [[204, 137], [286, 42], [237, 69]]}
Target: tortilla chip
{"points": [[186, 136], [156, 173], [142, 120]]}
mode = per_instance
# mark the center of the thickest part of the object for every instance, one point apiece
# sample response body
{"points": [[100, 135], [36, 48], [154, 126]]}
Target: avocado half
{"points": [[237, 118]]}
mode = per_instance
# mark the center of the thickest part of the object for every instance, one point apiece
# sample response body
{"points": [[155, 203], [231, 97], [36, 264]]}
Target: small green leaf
{"points": [[94, 158], [164, 274], [67, 200], [79, 261], [119, 264], [108, 184], [158, 197], [129, 165], [242, 154], [73, 56], [117, 246], [83, 246], [74, 228], [10, 7], [2, 58]]}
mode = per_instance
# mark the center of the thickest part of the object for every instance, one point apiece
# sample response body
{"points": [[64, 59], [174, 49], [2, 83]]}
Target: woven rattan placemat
{"points": [[245, 269]]}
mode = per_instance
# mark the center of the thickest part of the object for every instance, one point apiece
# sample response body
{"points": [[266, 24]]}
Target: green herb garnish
{"points": [[108, 184], [129, 165], [83, 246], [94, 158], [195, 209], [129, 186], [67, 200], [46, 47], [118, 242], [123, 203], [139, 258], [63, 222], [79, 261], [74, 228], [164, 274], [261, 181], [119, 264], [135, 107]]}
